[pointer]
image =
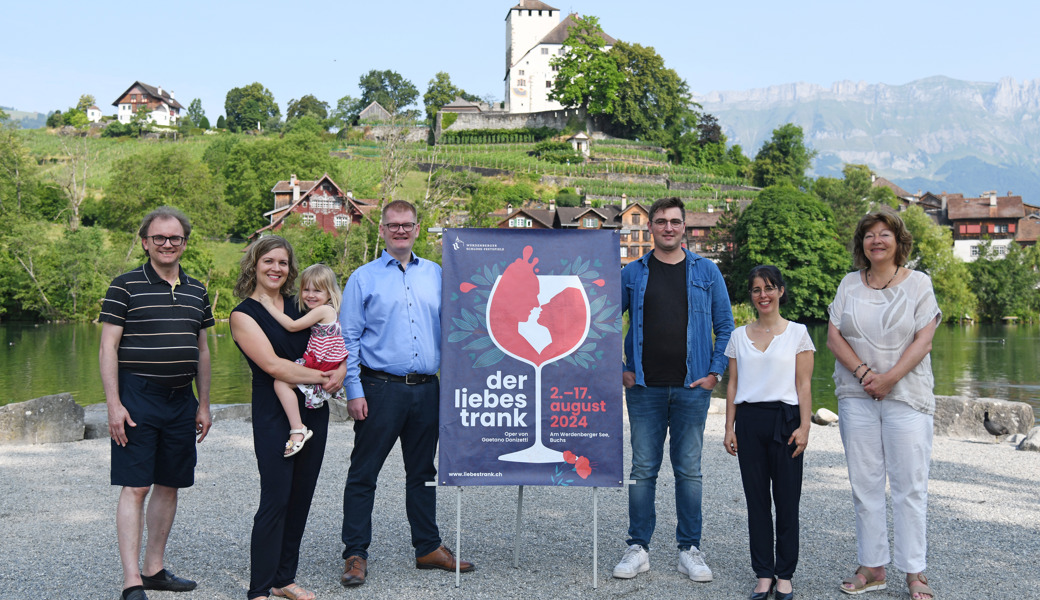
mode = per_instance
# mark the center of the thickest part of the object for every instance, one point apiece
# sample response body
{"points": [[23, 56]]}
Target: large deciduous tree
{"points": [[1006, 286], [933, 254], [307, 106], [441, 91], [784, 158], [248, 106], [851, 197], [652, 102], [791, 229], [392, 91], [252, 167], [168, 176], [196, 114], [85, 102], [588, 76], [17, 167]]}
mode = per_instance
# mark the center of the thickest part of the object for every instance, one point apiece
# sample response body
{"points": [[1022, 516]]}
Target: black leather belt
{"points": [[410, 379]]}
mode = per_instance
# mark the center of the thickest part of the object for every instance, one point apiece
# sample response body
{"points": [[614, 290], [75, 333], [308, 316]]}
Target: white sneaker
{"points": [[636, 560], [691, 562]]}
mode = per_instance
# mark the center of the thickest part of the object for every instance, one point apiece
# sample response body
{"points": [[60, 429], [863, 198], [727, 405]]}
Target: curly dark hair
{"points": [[904, 242], [246, 283]]}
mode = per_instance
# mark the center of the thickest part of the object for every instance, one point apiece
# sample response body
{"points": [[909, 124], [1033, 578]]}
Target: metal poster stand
{"points": [[516, 535]]}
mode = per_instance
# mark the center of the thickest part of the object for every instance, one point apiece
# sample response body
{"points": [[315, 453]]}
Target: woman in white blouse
{"points": [[881, 325], [768, 402]]}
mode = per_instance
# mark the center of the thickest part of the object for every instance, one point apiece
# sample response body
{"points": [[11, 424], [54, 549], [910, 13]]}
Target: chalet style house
{"points": [[534, 36], [988, 216], [319, 202], [162, 108], [634, 218]]}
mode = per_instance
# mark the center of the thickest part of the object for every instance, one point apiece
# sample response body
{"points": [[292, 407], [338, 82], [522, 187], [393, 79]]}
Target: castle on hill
{"points": [[534, 36]]}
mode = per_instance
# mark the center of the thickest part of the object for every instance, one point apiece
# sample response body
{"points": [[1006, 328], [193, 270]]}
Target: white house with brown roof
{"points": [[94, 114], [534, 36], [988, 216], [162, 107]]}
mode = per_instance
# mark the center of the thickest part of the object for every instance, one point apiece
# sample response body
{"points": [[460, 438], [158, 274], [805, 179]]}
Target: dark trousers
{"points": [[395, 410], [766, 466], [286, 489]]}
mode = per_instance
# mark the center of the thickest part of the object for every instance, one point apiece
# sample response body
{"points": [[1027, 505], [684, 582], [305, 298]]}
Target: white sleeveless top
{"points": [[880, 325], [768, 376]]}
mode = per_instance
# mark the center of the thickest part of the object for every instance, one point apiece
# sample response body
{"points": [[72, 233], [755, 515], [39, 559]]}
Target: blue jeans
{"points": [[678, 412]]}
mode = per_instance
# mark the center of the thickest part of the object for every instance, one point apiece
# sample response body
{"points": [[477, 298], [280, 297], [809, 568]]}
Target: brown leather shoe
{"points": [[354, 572], [443, 559]]}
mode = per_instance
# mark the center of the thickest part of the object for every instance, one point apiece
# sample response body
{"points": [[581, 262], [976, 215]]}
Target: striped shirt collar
{"points": [[153, 276]]}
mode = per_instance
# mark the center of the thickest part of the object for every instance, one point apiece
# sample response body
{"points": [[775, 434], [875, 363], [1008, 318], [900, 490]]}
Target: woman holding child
{"points": [[288, 470]]}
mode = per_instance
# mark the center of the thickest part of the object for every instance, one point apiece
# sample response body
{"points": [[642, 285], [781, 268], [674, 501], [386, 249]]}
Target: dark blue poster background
{"points": [[531, 358]]}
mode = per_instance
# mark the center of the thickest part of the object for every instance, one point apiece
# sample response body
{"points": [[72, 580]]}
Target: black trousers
{"points": [[410, 413], [770, 477], [286, 489]]}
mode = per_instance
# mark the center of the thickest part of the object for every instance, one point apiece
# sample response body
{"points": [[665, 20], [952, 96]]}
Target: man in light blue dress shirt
{"points": [[391, 323]]}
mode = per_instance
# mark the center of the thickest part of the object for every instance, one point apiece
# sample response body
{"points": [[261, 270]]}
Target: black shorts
{"points": [[161, 448]]}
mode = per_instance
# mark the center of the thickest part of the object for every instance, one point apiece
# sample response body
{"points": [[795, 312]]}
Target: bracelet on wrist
{"points": [[864, 375], [856, 370]]}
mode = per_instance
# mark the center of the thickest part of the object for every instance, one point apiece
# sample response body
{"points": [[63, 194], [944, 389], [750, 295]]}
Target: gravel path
{"points": [[58, 529]]}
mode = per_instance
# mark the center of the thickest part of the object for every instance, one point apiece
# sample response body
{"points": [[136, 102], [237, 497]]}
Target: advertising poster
{"points": [[531, 358]]}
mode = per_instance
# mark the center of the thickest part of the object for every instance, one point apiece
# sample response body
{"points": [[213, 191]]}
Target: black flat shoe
{"points": [[762, 595], [167, 582]]}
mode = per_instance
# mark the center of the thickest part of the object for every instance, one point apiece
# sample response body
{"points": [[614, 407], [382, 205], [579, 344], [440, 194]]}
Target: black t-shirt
{"points": [[665, 318]]}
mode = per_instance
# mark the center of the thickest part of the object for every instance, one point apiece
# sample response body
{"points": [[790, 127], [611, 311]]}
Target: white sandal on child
{"points": [[291, 446]]}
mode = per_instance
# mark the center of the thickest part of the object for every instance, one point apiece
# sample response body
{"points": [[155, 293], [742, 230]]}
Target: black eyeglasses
{"points": [[662, 223], [394, 227], [175, 240]]}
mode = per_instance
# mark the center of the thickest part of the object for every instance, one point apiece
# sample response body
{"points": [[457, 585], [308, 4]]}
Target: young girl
{"points": [[768, 400], [320, 296]]}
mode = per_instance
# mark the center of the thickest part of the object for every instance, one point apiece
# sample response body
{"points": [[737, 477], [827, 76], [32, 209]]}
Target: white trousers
{"points": [[888, 438]]}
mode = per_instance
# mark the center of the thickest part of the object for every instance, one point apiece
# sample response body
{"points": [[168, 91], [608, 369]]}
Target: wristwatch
{"points": [[718, 377]]}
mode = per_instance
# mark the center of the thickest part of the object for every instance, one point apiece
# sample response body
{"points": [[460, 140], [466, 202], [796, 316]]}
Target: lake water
{"points": [[994, 361]]}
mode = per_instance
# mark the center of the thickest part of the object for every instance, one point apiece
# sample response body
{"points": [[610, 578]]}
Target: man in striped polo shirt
{"points": [[153, 345]]}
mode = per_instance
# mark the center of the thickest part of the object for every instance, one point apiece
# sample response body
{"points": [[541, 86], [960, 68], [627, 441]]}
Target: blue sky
{"points": [[51, 52]]}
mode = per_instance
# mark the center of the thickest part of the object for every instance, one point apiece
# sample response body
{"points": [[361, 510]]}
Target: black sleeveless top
{"points": [[288, 345]]}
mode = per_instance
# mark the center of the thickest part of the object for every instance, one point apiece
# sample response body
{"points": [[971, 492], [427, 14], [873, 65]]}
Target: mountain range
{"points": [[935, 134]]}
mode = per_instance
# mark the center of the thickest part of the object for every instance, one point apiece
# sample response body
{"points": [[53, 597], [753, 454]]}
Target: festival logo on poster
{"points": [[531, 382]]}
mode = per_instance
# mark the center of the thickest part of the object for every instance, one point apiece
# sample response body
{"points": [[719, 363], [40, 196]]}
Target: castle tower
{"points": [[527, 24]]}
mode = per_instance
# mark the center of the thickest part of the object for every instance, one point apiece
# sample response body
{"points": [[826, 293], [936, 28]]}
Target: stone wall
{"points": [[554, 119], [379, 133], [485, 171]]}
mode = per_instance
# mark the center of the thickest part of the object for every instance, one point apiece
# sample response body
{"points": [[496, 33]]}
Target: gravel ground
{"points": [[57, 523]]}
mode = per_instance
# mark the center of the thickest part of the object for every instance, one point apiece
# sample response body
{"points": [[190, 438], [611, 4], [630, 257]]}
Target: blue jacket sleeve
{"points": [[721, 322], [626, 306]]}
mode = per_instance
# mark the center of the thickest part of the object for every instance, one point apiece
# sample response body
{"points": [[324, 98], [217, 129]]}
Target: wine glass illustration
{"points": [[537, 319]]}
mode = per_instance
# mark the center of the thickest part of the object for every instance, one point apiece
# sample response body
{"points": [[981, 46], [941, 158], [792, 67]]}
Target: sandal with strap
{"points": [[292, 446], [918, 584], [869, 582], [293, 591]]}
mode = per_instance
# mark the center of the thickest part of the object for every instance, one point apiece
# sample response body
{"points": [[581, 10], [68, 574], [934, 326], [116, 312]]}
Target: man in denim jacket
{"points": [[675, 300]]}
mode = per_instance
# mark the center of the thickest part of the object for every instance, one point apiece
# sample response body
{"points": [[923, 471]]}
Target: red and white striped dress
{"points": [[325, 351]]}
